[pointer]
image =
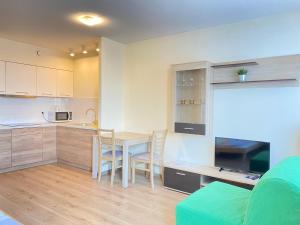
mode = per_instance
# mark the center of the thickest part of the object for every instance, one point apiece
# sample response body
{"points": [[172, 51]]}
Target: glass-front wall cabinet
{"points": [[190, 99]]}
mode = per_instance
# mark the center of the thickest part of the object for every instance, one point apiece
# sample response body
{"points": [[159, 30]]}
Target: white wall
{"points": [[111, 84], [29, 109], [86, 79], [263, 114], [26, 53]]}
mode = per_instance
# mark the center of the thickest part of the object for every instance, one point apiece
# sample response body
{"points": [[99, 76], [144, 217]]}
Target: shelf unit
{"points": [[191, 98], [258, 83], [280, 71], [238, 64], [181, 176]]}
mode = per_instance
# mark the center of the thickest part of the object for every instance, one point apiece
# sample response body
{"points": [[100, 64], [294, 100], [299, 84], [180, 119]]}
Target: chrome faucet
{"points": [[95, 114]]}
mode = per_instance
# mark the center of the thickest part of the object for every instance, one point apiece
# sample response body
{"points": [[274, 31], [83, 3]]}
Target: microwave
{"points": [[59, 116]]}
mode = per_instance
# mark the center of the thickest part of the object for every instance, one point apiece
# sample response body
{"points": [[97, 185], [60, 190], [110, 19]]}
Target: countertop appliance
{"points": [[55, 117]]}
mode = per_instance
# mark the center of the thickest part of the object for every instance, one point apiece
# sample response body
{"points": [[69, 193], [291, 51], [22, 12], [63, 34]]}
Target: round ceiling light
{"points": [[90, 20]]}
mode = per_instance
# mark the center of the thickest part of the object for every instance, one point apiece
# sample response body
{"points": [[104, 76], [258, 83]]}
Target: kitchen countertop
{"points": [[63, 124]]}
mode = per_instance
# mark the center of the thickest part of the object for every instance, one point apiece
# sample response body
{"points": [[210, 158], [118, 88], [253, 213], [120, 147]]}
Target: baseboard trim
{"points": [[15, 168], [75, 165]]}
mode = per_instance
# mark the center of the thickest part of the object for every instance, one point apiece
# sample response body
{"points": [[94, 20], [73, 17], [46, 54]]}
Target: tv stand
{"points": [[181, 176]]}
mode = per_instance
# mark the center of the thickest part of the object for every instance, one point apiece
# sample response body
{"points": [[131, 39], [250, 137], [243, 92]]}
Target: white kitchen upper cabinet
{"points": [[20, 79], [46, 82], [64, 83], [2, 77]]}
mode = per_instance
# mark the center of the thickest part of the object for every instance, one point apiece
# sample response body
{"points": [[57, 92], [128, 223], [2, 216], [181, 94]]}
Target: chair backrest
{"points": [[158, 146], [275, 200], [107, 141]]}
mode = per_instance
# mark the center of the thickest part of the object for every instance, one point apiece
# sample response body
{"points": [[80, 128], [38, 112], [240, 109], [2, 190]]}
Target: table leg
{"points": [[95, 158], [125, 167]]}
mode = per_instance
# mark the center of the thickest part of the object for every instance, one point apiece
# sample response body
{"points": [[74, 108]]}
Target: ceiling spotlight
{"points": [[97, 47], [72, 54], [90, 20], [84, 51]]}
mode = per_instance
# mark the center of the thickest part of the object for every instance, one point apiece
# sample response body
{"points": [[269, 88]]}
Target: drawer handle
{"points": [[188, 128], [47, 94], [180, 174], [65, 95], [22, 92]]}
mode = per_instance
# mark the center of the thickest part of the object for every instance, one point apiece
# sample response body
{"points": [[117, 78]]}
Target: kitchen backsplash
{"points": [[22, 110]]}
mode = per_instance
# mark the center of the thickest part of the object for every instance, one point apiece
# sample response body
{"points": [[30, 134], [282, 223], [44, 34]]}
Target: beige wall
{"points": [[111, 84], [147, 90], [86, 77]]}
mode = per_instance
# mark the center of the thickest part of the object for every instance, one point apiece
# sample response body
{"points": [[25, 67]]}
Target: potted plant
{"points": [[242, 73]]}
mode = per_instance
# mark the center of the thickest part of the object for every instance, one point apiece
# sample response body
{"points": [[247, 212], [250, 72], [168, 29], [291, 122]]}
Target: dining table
{"points": [[125, 140]]}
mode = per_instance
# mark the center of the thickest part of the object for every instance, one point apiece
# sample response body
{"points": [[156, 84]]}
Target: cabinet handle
{"points": [[65, 95], [47, 94], [21, 92], [188, 128], [180, 174]]}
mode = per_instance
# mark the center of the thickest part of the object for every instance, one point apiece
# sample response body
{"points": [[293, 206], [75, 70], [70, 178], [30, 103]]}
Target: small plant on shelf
{"points": [[242, 73]]}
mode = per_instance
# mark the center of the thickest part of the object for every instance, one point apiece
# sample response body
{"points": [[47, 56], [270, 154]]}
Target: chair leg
{"points": [[146, 172], [99, 170], [129, 168], [113, 171], [162, 175], [133, 171], [152, 176]]}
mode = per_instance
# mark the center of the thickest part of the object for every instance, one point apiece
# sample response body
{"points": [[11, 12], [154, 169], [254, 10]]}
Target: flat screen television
{"points": [[242, 155]]}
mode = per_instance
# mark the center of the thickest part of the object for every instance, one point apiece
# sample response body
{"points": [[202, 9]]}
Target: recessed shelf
{"points": [[196, 104], [219, 66]]}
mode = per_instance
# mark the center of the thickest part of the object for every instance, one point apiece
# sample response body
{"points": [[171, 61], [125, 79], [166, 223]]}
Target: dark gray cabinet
{"points": [[181, 180], [190, 128]]}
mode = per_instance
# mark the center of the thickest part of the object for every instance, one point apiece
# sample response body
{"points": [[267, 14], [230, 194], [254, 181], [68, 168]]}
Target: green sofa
{"points": [[275, 200]]}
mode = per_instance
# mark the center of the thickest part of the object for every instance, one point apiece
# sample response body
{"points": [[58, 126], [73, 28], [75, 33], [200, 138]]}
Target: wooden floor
{"points": [[57, 195]]}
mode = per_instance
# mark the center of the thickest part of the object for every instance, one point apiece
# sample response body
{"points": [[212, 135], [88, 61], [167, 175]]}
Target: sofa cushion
{"points": [[6, 220], [275, 200], [216, 204]]}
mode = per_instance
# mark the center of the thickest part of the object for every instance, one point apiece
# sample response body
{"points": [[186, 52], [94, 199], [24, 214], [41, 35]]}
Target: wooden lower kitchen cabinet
{"points": [[74, 146], [49, 143], [5, 149], [27, 146]]}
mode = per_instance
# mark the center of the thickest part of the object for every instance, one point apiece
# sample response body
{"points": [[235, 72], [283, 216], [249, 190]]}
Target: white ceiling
{"points": [[47, 22]]}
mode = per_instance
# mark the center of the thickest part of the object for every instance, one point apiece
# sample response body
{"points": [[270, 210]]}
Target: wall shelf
{"points": [[239, 64], [277, 71], [258, 83]]}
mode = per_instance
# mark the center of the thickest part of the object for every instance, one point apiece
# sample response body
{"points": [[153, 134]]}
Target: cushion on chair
{"points": [[109, 154], [145, 156], [6, 220], [216, 204]]}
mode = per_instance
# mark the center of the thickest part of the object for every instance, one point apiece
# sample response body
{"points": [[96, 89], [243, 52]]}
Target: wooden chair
{"points": [[152, 158], [107, 142]]}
